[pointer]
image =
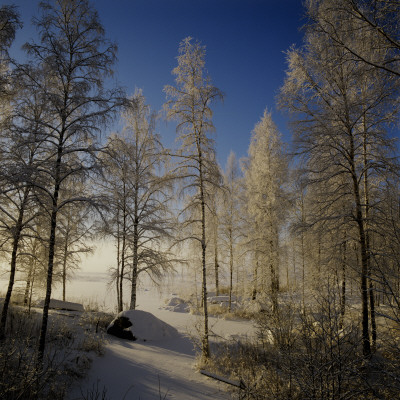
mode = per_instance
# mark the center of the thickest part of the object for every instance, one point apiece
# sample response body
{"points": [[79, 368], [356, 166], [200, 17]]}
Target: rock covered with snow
{"points": [[176, 304], [144, 326], [119, 327], [223, 301]]}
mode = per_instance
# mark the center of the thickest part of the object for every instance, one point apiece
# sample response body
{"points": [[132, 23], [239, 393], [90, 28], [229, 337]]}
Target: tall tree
{"points": [[21, 141], [73, 233], [137, 166], [189, 103], [76, 58], [265, 178], [230, 216], [331, 106]]}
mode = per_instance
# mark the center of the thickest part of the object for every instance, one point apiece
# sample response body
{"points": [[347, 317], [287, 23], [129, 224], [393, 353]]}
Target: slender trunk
{"points": [[121, 278], [255, 278], [31, 289], [294, 263], [343, 292], [274, 291], [230, 268], [123, 253], [16, 240], [118, 278], [27, 286], [302, 244], [135, 261], [216, 264], [287, 269], [205, 342], [52, 241], [135, 264], [64, 271], [134, 288], [366, 345], [367, 236]]}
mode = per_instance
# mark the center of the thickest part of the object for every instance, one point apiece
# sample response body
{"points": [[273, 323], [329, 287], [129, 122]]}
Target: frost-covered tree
{"points": [[76, 59], [378, 19], [213, 224], [139, 197], [73, 233], [21, 141], [342, 115], [265, 178], [189, 103], [230, 218], [9, 23]]}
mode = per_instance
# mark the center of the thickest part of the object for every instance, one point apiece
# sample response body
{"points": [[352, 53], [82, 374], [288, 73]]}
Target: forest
{"points": [[306, 234]]}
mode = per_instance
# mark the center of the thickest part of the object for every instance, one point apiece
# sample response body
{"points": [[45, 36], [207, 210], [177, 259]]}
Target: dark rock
{"points": [[120, 328]]}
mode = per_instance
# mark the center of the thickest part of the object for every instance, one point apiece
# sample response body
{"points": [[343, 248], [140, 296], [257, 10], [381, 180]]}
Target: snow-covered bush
{"points": [[71, 341], [308, 353]]}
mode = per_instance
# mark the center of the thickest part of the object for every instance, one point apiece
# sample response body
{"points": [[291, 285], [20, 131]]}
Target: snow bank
{"points": [[145, 326], [63, 305]]}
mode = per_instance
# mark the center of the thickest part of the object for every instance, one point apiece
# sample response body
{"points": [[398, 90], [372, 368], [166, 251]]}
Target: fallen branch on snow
{"points": [[240, 384]]}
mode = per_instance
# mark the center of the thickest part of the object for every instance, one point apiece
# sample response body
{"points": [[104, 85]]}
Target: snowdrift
{"points": [[145, 326], [63, 305]]}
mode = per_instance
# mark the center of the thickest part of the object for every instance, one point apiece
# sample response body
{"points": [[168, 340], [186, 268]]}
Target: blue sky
{"points": [[245, 42]]}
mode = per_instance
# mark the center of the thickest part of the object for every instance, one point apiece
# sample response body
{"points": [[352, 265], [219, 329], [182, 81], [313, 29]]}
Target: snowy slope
{"points": [[162, 368]]}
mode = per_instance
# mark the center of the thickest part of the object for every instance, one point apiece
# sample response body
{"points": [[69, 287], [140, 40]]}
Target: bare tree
{"points": [[73, 232], [21, 141], [76, 59], [136, 162], [189, 103]]}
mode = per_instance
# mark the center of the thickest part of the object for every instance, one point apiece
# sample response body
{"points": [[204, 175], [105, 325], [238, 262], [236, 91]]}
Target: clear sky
{"points": [[245, 42]]}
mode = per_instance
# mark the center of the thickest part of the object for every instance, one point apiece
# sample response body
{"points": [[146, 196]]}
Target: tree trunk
{"points": [[118, 277], [27, 286], [367, 235], [255, 278], [135, 238], [16, 239], [64, 271], [366, 344], [123, 255], [343, 291], [230, 268], [52, 242], [216, 264], [134, 266], [205, 342]]}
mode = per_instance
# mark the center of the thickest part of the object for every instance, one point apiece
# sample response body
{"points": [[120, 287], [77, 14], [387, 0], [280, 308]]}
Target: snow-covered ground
{"points": [[159, 369]]}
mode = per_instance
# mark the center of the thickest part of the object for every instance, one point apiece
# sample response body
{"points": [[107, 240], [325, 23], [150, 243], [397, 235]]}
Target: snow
{"points": [[163, 366], [63, 305]]}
